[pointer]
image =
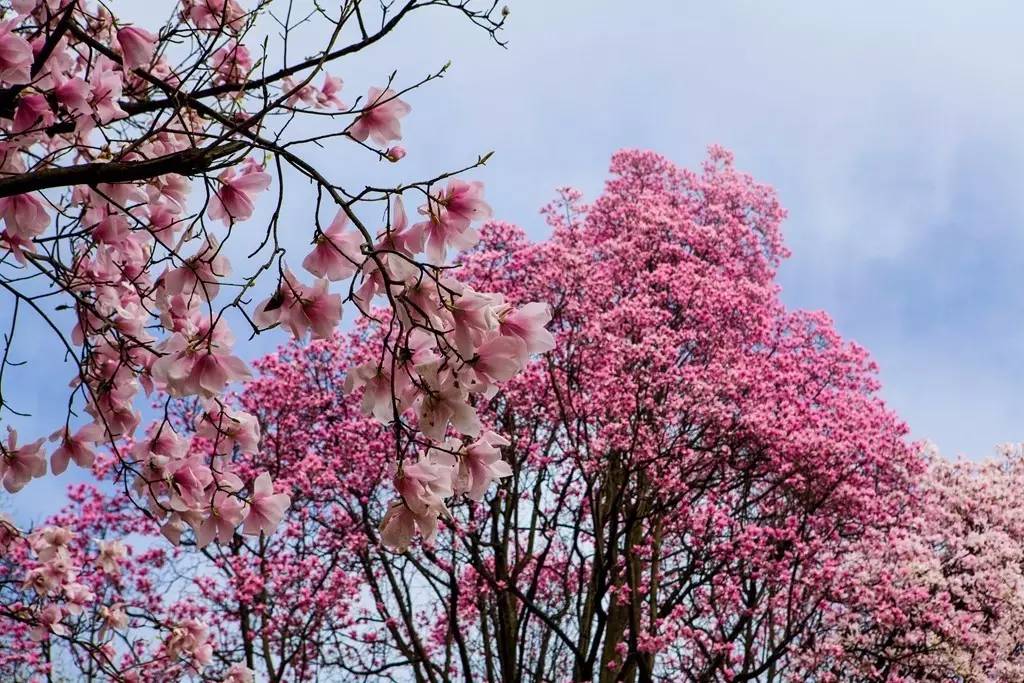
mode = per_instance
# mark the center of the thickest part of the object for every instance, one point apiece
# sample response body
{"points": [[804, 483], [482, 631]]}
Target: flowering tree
{"points": [[131, 160], [938, 597], [684, 474]]}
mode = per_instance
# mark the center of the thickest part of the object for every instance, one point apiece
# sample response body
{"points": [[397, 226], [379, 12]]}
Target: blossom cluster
{"points": [[130, 160], [148, 276]]}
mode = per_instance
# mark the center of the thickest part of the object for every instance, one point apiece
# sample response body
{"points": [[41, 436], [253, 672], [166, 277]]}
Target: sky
{"points": [[892, 133]]}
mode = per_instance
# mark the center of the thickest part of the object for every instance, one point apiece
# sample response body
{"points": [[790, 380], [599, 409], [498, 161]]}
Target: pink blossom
{"points": [[15, 55], [113, 618], [399, 525], [327, 96], [379, 120], [450, 214], [499, 358], [78, 597], [198, 366], [337, 252], [266, 508], [107, 86], [444, 402], [33, 114], [232, 63], [395, 154], [111, 554], [233, 200], [214, 14], [239, 673], [49, 621], [137, 46], [480, 464], [227, 428], [190, 639], [528, 323], [51, 542], [19, 464], [226, 512], [24, 215], [301, 308], [75, 447], [73, 94]]}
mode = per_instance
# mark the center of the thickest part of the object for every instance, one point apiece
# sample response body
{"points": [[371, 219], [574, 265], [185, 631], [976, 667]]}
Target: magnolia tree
{"points": [[133, 159], [939, 597], [688, 476]]}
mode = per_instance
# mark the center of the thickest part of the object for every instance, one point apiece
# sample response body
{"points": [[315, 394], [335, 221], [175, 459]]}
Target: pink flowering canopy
{"points": [[694, 483]]}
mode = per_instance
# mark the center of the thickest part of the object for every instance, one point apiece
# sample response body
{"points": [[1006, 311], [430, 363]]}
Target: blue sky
{"points": [[892, 132]]}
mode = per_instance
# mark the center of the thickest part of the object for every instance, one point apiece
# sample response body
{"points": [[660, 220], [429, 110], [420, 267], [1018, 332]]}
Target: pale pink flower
{"points": [[48, 621], [73, 94], [214, 14], [114, 618], [137, 46], [24, 215], [426, 483], [396, 153], [266, 508], [232, 63], [337, 251], [239, 673], [380, 118], [528, 323], [444, 402], [376, 382], [78, 597], [225, 514], [201, 275], [107, 85], [50, 542], [327, 95], [197, 367], [450, 215], [228, 428], [110, 556], [499, 358], [190, 639], [301, 308], [19, 464], [233, 200], [305, 93], [480, 463], [33, 114], [472, 316], [15, 55], [75, 447], [399, 526]]}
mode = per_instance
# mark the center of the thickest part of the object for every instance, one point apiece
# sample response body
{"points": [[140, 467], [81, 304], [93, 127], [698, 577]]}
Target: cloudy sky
{"points": [[893, 135]]}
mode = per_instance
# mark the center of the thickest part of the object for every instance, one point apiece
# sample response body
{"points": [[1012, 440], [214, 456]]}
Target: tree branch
{"points": [[187, 162]]}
